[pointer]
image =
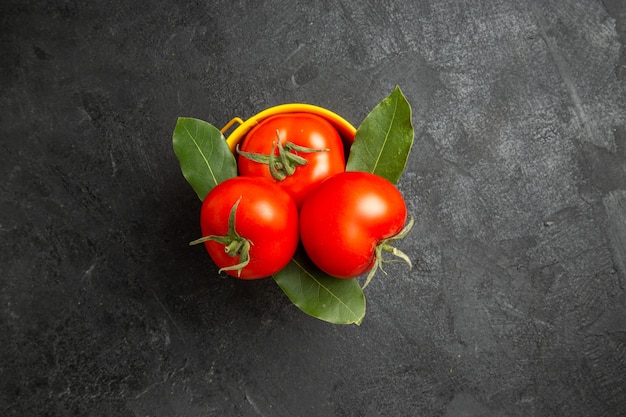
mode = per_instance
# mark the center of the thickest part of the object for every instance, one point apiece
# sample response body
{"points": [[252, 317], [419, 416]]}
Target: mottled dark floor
{"points": [[517, 180]]}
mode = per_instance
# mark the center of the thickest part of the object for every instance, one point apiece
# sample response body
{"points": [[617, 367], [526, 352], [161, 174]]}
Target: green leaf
{"points": [[384, 139], [338, 301], [203, 154]]}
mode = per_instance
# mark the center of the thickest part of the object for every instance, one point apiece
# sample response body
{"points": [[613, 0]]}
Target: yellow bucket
{"points": [[345, 129]]}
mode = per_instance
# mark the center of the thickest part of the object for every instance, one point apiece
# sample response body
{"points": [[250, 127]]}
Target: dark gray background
{"points": [[517, 180]]}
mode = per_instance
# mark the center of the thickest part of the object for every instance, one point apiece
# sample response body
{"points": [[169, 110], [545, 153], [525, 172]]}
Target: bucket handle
{"points": [[231, 123]]}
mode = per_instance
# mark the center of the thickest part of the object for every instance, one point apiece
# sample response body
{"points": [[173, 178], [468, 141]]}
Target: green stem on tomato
{"points": [[282, 161], [234, 244], [385, 246]]}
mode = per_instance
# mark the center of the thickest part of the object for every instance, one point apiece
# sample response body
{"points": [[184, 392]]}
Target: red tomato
{"points": [[300, 171], [251, 216], [344, 219]]}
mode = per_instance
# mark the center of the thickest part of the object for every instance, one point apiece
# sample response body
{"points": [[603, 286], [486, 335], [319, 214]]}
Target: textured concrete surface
{"points": [[517, 181]]}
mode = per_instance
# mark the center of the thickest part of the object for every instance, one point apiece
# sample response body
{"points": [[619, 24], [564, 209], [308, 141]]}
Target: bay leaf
{"points": [[337, 301], [384, 139], [205, 158]]}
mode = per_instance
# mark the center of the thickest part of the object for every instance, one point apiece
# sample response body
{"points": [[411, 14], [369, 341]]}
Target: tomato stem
{"points": [[282, 161], [234, 244], [384, 245]]}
